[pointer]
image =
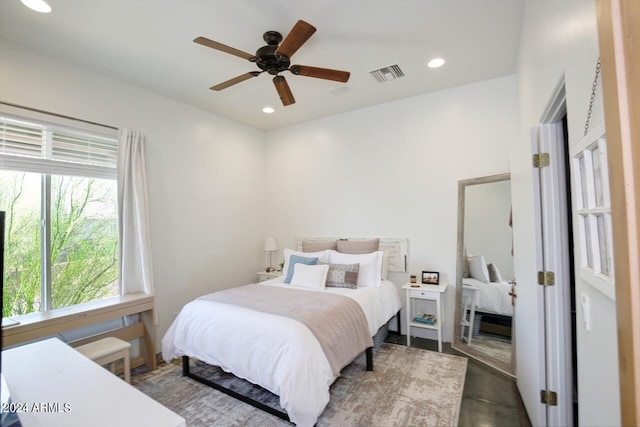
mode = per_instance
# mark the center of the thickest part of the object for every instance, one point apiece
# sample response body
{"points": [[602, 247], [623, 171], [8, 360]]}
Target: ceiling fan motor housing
{"points": [[266, 57]]}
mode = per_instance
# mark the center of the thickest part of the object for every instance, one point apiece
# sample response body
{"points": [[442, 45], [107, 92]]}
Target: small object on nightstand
{"points": [[427, 319], [413, 278], [430, 277]]}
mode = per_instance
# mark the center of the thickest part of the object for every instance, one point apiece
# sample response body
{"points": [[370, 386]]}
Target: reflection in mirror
{"points": [[485, 289]]}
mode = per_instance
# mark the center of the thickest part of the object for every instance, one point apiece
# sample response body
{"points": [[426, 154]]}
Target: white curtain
{"points": [[136, 268]]}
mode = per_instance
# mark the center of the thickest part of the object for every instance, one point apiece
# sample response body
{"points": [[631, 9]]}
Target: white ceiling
{"points": [[149, 43]]}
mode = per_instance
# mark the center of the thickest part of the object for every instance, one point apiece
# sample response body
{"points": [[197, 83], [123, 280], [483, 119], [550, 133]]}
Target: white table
{"points": [[469, 302], [268, 275], [415, 291], [85, 394]]}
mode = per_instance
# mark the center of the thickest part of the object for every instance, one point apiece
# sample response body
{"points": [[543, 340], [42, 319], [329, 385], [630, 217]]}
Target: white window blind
{"points": [[43, 148]]}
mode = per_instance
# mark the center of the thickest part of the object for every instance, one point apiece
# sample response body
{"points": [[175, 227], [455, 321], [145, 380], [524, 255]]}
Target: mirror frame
{"points": [[457, 343]]}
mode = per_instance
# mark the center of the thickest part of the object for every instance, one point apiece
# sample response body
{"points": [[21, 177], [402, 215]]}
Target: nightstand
{"points": [[263, 275], [469, 301], [425, 292]]}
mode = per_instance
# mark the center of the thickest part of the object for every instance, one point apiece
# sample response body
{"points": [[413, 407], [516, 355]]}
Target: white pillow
{"points": [[478, 268], [370, 272], [309, 276], [323, 256], [385, 266]]}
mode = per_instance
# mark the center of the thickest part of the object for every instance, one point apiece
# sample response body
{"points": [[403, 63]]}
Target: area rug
{"points": [[408, 387], [496, 349]]}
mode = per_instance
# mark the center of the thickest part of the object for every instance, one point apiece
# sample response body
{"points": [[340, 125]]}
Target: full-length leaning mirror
{"points": [[485, 290]]}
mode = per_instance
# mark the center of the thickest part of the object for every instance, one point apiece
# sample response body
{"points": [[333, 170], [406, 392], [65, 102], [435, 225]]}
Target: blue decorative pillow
{"points": [[295, 259]]}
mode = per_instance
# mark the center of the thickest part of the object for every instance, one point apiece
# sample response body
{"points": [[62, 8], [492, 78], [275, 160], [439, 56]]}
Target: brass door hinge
{"points": [[546, 278], [549, 397], [541, 160]]}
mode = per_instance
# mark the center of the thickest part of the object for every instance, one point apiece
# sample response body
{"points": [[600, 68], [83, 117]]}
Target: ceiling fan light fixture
{"points": [[268, 110], [435, 63], [37, 5]]}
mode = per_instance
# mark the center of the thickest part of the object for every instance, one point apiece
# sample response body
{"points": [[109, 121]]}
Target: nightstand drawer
{"points": [[420, 293], [263, 275]]}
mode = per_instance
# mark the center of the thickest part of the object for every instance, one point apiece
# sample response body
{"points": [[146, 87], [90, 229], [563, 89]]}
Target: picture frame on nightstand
{"points": [[430, 277]]}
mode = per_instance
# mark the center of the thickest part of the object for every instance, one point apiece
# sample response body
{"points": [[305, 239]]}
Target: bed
{"points": [[273, 351], [492, 297], [492, 292]]}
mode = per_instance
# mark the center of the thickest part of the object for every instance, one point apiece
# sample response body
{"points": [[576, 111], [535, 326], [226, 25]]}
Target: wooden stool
{"points": [[108, 350]]}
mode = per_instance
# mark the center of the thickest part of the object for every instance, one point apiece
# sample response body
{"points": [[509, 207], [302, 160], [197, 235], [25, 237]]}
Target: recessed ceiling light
{"points": [[37, 5], [268, 110], [435, 63]]}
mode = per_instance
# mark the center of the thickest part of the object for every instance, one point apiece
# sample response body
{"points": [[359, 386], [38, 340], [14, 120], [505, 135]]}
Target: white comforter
{"points": [[277, 353], [492, 297]]}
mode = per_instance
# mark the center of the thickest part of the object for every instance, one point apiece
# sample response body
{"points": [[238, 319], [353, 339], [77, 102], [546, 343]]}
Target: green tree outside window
{"points": [[83, 243]]}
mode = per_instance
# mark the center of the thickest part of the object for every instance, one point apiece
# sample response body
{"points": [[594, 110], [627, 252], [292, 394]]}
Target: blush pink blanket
{"points": [[338, 322]]}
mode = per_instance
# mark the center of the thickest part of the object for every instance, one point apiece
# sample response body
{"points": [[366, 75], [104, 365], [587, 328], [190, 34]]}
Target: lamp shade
{"points": [[270, 244]]}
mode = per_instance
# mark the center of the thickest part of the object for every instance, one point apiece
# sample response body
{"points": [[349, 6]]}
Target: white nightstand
{"points": [[468, 305], [425, 292], [263, 275]]}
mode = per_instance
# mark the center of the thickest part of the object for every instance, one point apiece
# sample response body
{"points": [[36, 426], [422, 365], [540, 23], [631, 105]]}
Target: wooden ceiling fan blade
{"points": [[321, 73], [235, 80], [283, 90], [298, 35], [222, 47]]}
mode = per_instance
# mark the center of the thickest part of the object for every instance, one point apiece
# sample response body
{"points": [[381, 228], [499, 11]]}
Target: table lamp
{"points": [[270, 246]]}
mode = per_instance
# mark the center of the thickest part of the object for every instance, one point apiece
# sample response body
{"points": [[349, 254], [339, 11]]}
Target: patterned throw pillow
{"points": [[342, 275]]}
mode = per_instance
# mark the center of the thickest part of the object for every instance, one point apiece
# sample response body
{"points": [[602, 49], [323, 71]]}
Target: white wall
{"points": [[392, 171], [206, 173], [559, 41], [486, 224]]}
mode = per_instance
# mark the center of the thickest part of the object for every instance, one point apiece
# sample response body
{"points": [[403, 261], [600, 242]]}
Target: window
{"points": [[594, 213], [58, 189]]}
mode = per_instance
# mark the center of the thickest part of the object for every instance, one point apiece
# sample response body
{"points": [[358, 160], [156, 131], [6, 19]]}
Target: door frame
{"points": [[618, 24], [553, 235]]}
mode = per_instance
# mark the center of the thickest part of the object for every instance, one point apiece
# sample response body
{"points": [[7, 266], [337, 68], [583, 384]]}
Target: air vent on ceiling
{"points": [[386, 74]]}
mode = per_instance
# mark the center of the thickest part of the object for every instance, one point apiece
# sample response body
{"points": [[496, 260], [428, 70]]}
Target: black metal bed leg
{"points": [[187, 373], [399, 327], [185, 366], [369, 353]]}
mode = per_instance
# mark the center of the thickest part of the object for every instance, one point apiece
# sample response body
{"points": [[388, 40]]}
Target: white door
{"points": [[555, 291]]}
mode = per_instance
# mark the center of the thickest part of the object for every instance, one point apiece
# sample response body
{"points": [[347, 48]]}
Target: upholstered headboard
{"points": [[396, 248]]}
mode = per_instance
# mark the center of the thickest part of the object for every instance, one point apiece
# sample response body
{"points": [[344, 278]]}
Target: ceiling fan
{"points": [[274, 58]]}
